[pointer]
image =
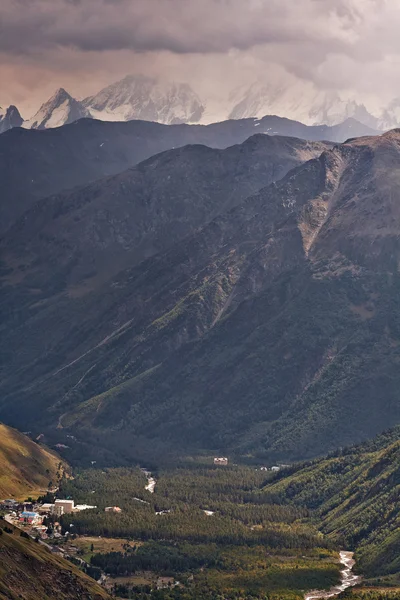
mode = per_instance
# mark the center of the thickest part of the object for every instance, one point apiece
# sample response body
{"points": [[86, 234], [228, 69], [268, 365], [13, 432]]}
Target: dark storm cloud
{"points": [[180, 26], [215, 45]]}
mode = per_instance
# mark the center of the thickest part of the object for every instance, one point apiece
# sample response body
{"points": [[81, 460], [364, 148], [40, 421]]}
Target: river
{"points": [[347, 575], [151, 481]]}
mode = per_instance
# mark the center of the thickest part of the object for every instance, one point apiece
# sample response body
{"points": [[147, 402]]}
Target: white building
{"points": [[46, 508], [275, 469], [65, 506], [221, 461], [79, 507]]}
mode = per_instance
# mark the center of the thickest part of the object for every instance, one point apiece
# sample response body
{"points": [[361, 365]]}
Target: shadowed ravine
{"points": [[348, 579]]}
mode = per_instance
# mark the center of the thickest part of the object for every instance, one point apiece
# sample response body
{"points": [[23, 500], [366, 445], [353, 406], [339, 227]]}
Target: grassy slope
{"points": [[25, 467], [355, 494], [30, 571]]}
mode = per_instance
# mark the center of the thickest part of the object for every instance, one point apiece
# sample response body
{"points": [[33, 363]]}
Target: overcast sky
{"points": [[351, 46]]}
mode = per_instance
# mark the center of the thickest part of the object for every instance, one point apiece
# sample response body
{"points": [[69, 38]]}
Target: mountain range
{"points": [[150, 99], [253, 316], [35, 164]]}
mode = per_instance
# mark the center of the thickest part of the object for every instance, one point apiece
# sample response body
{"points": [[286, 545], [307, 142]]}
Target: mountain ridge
{"points": [[37, 163], [151, 204], [142, 97], [185, 347], [60, 109]]}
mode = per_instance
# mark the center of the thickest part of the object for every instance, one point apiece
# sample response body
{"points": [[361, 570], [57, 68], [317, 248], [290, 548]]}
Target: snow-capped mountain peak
{"points": [[9, 118], [148, 99], [59, 110], [296, 101]]}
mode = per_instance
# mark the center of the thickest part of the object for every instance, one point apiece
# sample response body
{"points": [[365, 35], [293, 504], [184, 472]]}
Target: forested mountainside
{"points": [[35, 163], [30, 571], [273, 330], [354, 493], [26, 468]]}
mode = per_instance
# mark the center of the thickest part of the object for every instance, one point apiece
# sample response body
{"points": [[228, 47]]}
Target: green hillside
{"points": [[355, 496]]}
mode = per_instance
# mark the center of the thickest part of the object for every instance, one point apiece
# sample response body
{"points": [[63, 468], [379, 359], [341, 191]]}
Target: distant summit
{"points": [[143, 98], [10, 118], [147, 99], [61, 109], [305, 104]]}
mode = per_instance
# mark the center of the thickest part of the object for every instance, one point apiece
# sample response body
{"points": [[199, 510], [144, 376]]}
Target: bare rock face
{"points": [[266, 325]]}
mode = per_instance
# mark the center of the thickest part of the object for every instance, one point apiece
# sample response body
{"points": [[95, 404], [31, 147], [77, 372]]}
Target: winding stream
{"points": [[348, 579]]}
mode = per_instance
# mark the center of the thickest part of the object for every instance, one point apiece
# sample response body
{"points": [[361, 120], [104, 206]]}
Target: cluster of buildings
{"points": [[31, 513], [222, 461], [62, 507]]}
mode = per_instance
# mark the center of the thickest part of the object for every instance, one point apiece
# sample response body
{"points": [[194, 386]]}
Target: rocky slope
{"points": [[28, 570], [26, 468], [35, 164], [272, 330], [145, 98], [9, 118]]}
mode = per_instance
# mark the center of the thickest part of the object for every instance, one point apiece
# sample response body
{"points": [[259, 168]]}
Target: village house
{"points": [[166, 582], [63, 507], [46, 508], [221, 461], [9, 504], [114, 509], [275, 469], [30, 518]]}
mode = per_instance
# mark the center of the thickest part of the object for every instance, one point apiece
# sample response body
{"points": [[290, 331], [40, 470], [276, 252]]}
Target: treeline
{"points": [[160, 557], [189, 524]]}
